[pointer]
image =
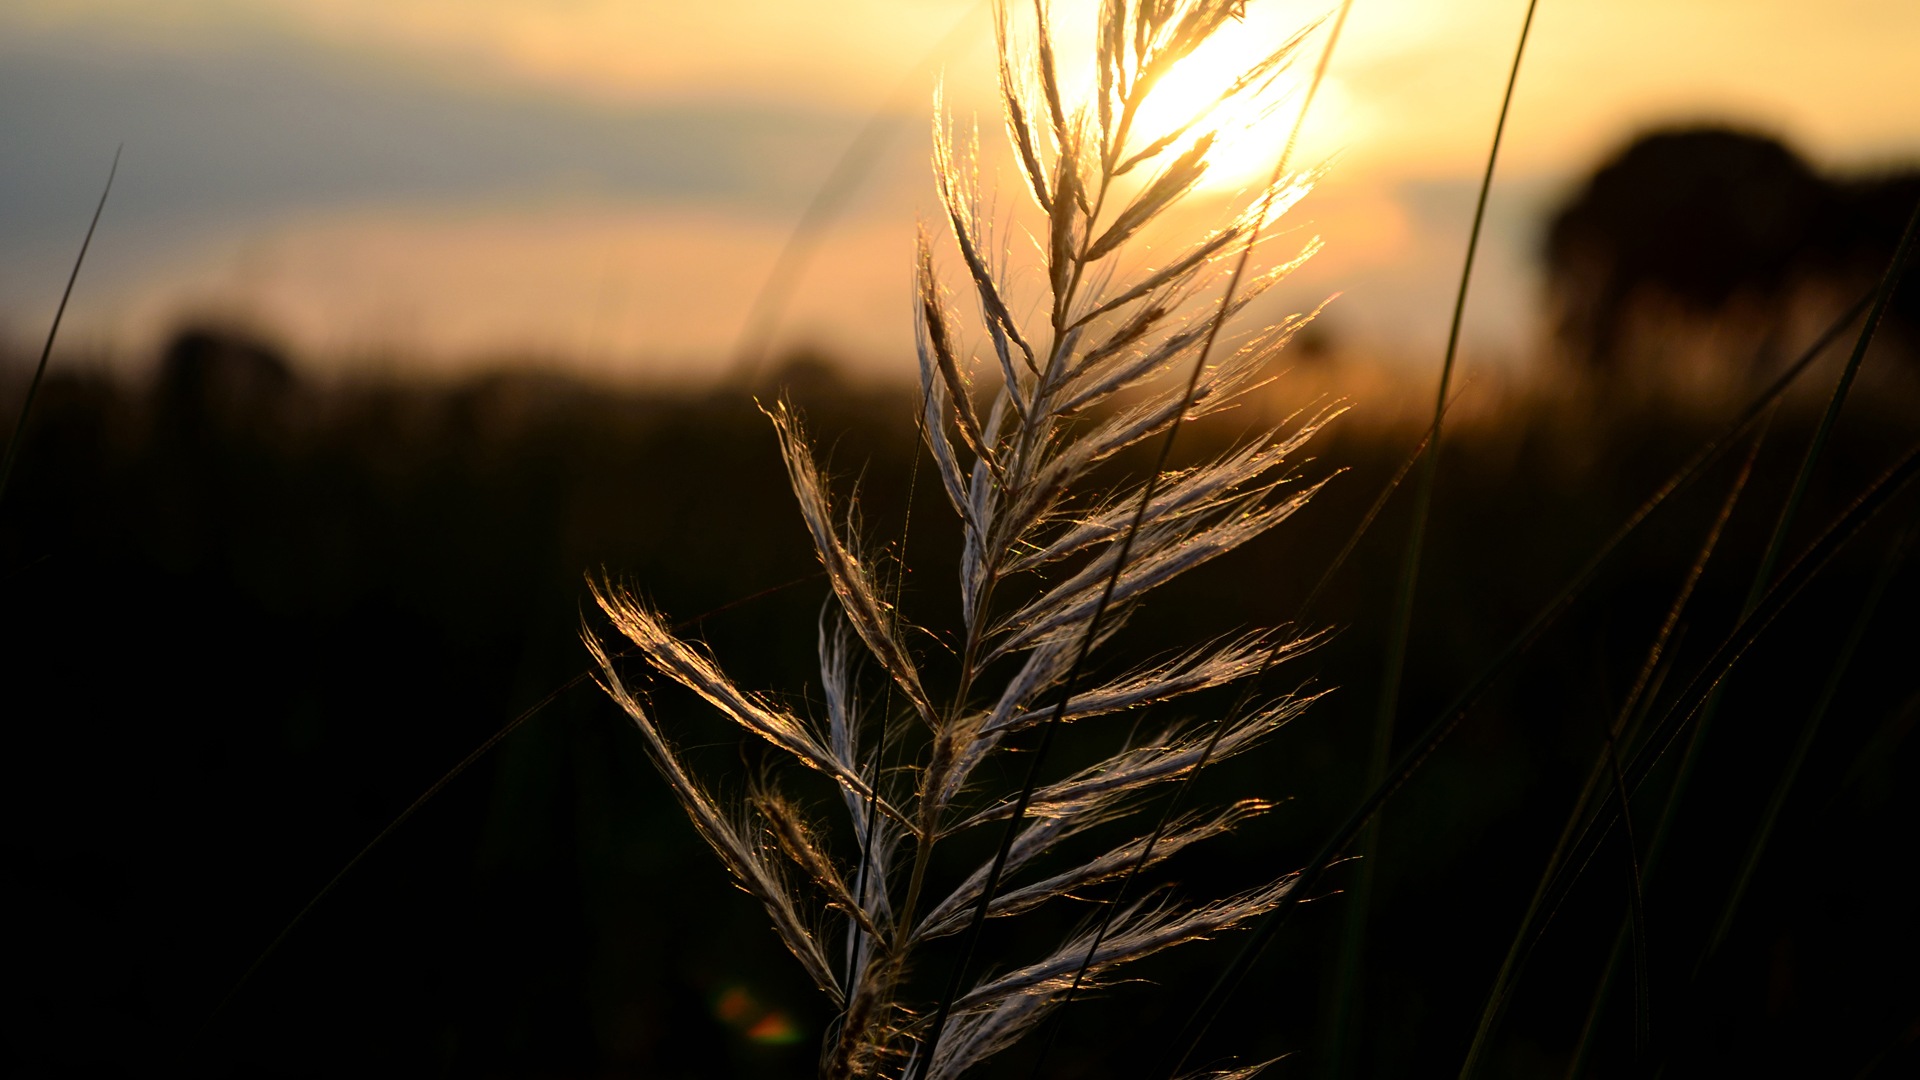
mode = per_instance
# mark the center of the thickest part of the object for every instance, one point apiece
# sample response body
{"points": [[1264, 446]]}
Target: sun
{"points": [[1252, 128]]}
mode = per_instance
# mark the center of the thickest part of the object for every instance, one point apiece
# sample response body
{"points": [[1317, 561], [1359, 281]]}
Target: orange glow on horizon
{"points": [[619, 278]]}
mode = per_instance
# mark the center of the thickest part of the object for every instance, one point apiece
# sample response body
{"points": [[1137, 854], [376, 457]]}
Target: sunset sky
{"points": [[604, 185]]}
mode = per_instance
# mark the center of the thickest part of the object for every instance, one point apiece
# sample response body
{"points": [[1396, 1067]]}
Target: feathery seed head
{"points": [[1053, 557]]}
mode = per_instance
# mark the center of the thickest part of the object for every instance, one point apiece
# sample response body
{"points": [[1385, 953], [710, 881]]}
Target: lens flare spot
{"points": [[735, 1007], [774, 1029]]}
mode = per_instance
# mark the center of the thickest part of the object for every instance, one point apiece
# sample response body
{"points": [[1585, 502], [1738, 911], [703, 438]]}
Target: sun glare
{"points": [[1252, 127]]}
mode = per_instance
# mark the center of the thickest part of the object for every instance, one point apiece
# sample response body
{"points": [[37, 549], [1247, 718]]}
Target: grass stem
{"points": [[1444, 724], [53, 332], [1896, 556], [1346, 993], [1526, 934], [1776, 543]]}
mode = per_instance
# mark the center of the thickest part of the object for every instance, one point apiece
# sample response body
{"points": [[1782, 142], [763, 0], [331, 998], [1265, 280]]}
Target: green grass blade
{"points": [[46, 351]]}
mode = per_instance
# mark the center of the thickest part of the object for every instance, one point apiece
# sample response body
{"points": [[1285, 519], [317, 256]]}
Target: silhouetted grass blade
{"points": [[1346, 988], [1444, 724], [1896, 556], [1776, 543], [53, 332], [1527, 933]]}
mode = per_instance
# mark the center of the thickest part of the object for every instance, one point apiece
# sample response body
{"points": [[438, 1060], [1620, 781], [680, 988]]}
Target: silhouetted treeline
{"points": [[251, 618], [1716, 229]]}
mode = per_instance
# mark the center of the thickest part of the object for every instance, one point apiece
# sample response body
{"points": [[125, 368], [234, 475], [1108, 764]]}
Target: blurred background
{"points": [[604, 187], [402, 317]]}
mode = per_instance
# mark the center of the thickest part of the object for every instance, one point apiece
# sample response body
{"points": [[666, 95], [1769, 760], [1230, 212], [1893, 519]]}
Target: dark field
{"points": [[250, 620]]}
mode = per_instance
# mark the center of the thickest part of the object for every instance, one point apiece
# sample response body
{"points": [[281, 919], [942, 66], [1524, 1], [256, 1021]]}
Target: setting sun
{"points": [[1252, 128]]}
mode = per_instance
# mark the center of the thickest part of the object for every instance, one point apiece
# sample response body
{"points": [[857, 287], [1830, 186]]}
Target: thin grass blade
{"points": [[1444, 724], [1526, 934], [1692, 701], [1346, 992], [53, 332], [1896, 556], [1776, 543]]}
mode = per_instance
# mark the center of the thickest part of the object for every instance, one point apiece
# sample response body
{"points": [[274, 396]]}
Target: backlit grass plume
{"points": [[1056, 550]]}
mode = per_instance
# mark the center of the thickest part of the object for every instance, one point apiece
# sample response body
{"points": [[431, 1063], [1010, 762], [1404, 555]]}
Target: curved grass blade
{"points": [[1878, 297], [1444, 724], [46, 351], [1347, 977], [1889, 284], [1704, 688], [1896, 556], [1524, 937], [1636, 909], [1712, 674], [1577, 1060], [1776, 544]]}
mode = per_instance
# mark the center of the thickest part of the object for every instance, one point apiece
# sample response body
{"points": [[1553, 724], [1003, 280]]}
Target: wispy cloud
{"points": [[488, 174]]}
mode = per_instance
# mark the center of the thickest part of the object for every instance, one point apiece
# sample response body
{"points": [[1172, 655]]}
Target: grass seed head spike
{"points": [[1056, 548]]}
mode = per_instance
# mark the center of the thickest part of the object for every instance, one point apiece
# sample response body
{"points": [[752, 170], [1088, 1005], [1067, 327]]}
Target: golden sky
{"points": [[617, 176]]}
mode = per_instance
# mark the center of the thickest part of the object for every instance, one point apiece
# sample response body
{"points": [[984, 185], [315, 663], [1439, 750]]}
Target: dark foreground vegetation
{"points": [[249, 620]]}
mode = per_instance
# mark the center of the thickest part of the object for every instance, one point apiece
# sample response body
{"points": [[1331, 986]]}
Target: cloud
{"points": [[228, 134]]}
